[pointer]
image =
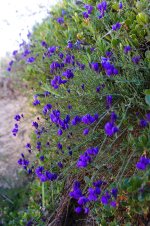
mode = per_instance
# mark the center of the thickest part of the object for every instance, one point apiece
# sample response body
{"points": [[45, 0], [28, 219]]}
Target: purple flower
{"points": [[83, 86], [88, 119], [46, 108], [92, 196], [76, 193], [86, 210], [44, 44], [9, 69], [69, 106], [110, 129], [38, 146], [127, 49], [43, 178], [113, 117], [54, 66], [61, 55], [83, 161], [60, 165], [85, 15], [42, 158], [51, 176], [30, 223], [87, 157], [57, 81], [68, 74], [63, 12], [36, 102], [17, 117], [55, 116], [109, 68], [76, 120], [143, 123], [102, 6], [59, 145], [116, 26], [14, 52], [95, 66], [52, 49], [97, 183], [108, 54], [143, 163], [60, 20], [30, 59], [86, 131], [104, 200], [109, 101], [28, 145], [98, 88], [59, 132], [11, 63], [78, 209], [114, 192], [120, 5], [82, 200], [113, 204], [89, 8], [92, 151], [70, 45], [136, 59], [148, 117], [35, 124], [15, 130]]}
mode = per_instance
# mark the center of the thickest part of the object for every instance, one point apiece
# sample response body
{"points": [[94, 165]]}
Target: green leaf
{"points": [[147, 91], [87, 180], [147, 99]]}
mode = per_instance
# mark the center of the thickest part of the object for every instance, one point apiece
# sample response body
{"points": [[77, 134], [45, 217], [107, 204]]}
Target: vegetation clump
{"points": [[88, 64]]}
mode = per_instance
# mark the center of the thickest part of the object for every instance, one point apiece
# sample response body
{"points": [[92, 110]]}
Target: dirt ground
{"points": [[12, 103]]}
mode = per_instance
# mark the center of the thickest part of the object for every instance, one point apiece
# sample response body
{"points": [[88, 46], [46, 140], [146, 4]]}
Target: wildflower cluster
{"points": [[17, 118], [88, 82], [93, 194]]}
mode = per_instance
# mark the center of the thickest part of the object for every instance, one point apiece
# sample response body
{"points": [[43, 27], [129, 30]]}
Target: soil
{"points": [[12, 103]]}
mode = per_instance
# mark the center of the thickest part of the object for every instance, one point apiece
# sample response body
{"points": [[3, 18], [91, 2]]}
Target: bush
{"points": [[88, 66]]}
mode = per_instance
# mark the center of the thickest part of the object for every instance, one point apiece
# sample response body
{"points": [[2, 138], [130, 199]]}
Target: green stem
{"points": [[43, 196]]}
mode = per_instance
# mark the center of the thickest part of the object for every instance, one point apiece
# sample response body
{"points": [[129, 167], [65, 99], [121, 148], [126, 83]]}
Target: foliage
{"points": [[91, 64]]}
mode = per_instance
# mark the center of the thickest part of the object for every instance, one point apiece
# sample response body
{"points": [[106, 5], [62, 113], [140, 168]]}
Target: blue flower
{"points": [[17, 117], [35, 124], [143, 123], [60, 20], [76, 120], [70, 45], [109, 101], [89, 8], [85, 15], [104, 200], [82, 200], [36, 102], [86, 131], [95, 66], [127, 49], [30, 59], [78, 209], [59, 132], [120, 5], [143, 163], [102, 7], [68, 74], [116, 26], [136, 59], [110, 129]]}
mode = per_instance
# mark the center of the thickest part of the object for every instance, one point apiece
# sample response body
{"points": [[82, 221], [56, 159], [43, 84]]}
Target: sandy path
{"points": [[10, 146]]}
